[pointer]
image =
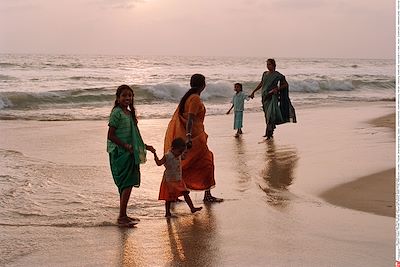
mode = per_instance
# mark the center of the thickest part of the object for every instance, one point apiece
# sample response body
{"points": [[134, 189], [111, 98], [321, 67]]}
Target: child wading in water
{"points": [[126, 150], [238, 105], [172, 185]]}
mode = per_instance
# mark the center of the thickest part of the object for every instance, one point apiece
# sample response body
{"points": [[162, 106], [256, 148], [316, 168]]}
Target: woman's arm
{"points": [[113, 138], [282, 85], [150, 148], [255, 90], [189, 126]]}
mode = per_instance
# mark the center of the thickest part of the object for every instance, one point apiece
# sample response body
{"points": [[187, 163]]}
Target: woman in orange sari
{"points": [[188, 123]]}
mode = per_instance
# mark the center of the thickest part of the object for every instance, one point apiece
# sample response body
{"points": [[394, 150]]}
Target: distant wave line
{"points": [[173, 92]]}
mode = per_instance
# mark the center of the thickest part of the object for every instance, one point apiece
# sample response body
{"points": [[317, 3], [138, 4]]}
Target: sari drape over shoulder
{"points": [[277, 107], [287, 110], [198, 166], [124, 165]]}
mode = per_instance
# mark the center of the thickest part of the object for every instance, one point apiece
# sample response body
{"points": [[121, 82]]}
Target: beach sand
{"points": [[373, 193], [321, 193]]}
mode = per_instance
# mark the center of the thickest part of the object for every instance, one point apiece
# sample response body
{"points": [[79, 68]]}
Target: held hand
{"points": [[184, 153], [188, 142], [128, 147], [272, 92], [151, 149]]}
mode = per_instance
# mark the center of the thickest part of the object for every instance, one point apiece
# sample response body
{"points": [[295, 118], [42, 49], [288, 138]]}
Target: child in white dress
{"points": [[238, 106]]}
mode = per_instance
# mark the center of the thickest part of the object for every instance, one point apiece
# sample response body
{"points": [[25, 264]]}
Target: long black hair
{"points": [[120, 89], [197, 81]]}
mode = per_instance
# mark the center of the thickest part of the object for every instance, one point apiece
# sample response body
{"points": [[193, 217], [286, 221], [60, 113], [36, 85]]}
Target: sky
{"points": [[275, 28]]}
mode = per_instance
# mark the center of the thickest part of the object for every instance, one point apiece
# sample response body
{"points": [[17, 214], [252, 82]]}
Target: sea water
{"points": [[67, 87]]}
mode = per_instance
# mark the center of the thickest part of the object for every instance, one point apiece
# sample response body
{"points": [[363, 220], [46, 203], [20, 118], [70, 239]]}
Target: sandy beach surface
{"points": [[321, 193]]}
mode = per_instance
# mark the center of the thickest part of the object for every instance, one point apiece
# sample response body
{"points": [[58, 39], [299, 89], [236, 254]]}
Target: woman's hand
{"points": [[189, 144], [188, 141], [274, 90], [128, 147]]}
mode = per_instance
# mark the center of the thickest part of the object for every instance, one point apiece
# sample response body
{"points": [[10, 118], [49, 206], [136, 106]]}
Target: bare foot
{"points": [[134, 219], [211, 199], [126, 222], [196, 209]]}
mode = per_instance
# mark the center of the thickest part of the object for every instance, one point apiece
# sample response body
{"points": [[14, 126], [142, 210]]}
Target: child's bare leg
{"points": [[188, 200], [167, 208], [123, 202]]}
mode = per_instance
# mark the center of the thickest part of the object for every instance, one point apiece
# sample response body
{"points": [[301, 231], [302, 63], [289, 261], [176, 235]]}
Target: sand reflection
{"points": [[130, 254], [241, 166], [278, 173], [192, 239]]}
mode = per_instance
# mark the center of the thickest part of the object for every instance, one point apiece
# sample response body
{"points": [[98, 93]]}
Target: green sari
{"points": [[124, 165], [270, 101]]}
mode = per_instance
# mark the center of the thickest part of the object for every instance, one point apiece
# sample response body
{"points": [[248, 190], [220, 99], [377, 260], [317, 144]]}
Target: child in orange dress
{"points": [[172, 185]]}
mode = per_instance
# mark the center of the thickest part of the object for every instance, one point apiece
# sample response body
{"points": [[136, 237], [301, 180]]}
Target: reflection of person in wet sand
{"points": [[241, 165], [129, 250], [192, 240], [278, 171]]}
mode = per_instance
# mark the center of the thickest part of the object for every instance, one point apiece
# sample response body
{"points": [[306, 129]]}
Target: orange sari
{"points": [[198, 166]]}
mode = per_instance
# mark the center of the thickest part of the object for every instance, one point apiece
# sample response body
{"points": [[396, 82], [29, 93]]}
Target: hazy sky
{"points": [[274, 28]]}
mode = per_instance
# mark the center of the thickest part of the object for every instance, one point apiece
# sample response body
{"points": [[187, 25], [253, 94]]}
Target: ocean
{"points": [[68, 87]]}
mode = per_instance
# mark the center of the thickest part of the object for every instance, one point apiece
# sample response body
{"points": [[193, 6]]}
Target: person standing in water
{"points": [[188, 123], [126, 150], [272, 82], [238, 106]]}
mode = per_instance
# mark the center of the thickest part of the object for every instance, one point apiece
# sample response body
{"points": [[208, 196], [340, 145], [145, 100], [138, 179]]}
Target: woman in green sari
{"points": [[126, 150], [271, 83]]}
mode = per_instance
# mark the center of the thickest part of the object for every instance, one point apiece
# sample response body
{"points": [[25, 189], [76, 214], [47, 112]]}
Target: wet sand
{"points": [[273, 213]]}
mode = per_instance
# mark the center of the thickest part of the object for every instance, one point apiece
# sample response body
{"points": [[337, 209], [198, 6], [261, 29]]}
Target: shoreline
{"points": [[374, 193]]}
